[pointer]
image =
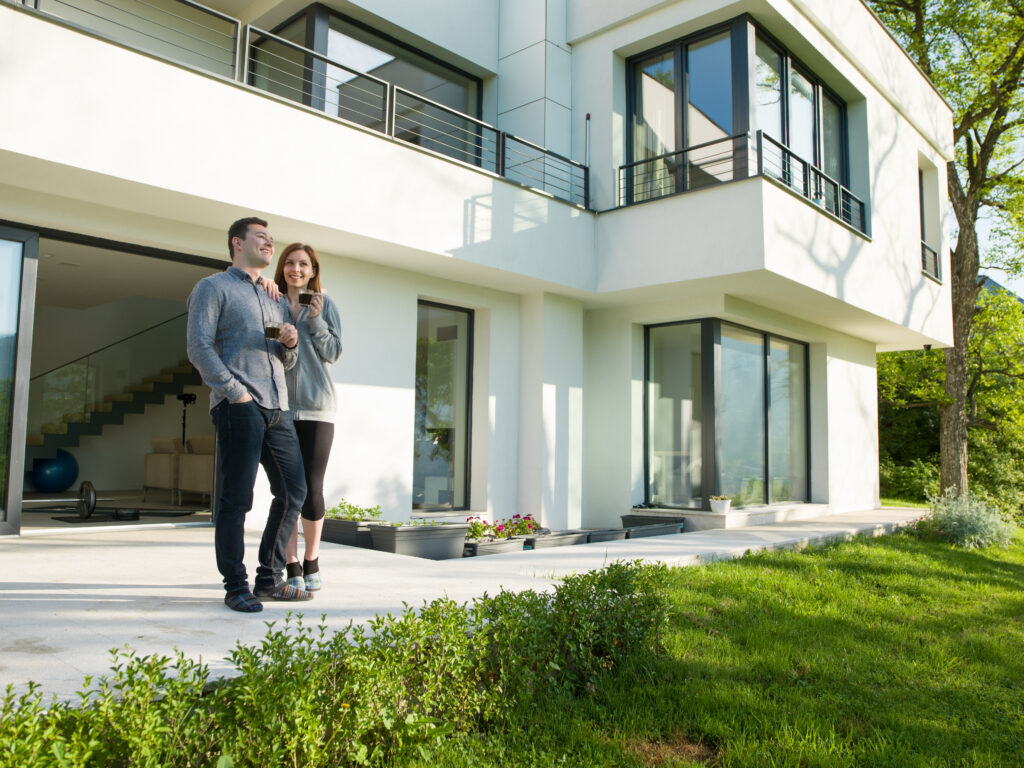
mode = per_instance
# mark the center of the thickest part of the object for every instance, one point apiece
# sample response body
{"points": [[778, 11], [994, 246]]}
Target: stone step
{"points": [[59, 428], [35, 440], [163, 378]]}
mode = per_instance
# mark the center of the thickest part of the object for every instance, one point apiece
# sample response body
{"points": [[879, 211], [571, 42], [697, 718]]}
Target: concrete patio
{"points": [[68, 597]]}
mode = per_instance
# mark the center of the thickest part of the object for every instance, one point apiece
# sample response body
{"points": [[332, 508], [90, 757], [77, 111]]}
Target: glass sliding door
{"points": [[801, 117], [742, 417], [444, 343], [787, 428], [654, 127], [674, 415], [18, 253]]}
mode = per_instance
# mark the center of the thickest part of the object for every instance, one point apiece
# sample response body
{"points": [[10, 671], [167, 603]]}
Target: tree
{"points": [[911, 391], [973, 50]]}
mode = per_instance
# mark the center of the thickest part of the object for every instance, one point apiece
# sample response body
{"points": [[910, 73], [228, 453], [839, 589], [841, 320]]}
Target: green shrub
{"points": [[343, 510], [965, 520], [916, 480], [366, 696]]}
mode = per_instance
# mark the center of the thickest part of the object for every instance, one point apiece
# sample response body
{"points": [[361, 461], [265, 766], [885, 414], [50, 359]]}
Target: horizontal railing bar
{"points": [[492, 146], [442, 107], [684, 151], [190, 21], [548, 152], [145, 34], [435, 140], [155, 23], [264, 34]]}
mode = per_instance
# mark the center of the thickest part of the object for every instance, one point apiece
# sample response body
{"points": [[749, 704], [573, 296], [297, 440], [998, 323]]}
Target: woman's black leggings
{"points": [[315, 440]]}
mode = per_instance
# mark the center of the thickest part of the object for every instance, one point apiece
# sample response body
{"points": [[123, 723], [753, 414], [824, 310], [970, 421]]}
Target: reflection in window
{"points": [[709, 110], [768, 89], [10, 287], [654, 126], [801, 117], [674, 415], [788, 427], [709, 69], [741, 474], [360, 49], [832, 137], [441, 448], [281, 69]]}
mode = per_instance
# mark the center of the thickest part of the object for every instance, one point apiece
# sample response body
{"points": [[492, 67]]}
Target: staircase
{"points": [[112, 410]]}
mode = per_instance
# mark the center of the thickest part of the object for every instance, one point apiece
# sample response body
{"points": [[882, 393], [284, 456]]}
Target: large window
{"points": [[293, 72], [674, 414], [726, 413], [689, 99], [444, 343], [797, 110]]}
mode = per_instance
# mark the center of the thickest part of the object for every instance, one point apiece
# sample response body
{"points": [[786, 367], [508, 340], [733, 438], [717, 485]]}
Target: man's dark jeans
{"points": [[249, 435]]}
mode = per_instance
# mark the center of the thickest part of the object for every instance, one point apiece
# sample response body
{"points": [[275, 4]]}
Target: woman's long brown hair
{"points": [[314, 281]]}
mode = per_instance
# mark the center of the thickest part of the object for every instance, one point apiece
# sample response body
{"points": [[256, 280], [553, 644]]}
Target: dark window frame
{"points": [[470, 342], [711, 406], [318, 18], [744, 29]]}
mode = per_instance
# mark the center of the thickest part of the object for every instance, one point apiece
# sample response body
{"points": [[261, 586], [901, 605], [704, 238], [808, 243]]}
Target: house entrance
{"points": [[110, 397]]}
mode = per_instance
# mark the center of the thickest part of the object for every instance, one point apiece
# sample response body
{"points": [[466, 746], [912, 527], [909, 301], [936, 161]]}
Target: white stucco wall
{"points": [[372, 457]]}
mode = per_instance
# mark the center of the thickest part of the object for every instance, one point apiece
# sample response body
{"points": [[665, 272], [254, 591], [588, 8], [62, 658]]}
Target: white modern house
{"points": [[588, 254]]}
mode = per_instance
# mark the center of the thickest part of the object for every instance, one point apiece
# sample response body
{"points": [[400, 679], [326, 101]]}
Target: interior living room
{"points": [[117, 424]]}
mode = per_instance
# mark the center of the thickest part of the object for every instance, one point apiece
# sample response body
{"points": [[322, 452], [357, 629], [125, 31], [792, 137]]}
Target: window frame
{"points": [[470, 343], [741, 28], [711, 398], [318, 18]]}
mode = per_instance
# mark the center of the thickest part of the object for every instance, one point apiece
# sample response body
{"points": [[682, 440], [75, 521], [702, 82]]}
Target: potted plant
{"points": [[420, 538], [720, 504], [349, 524], [545, 540], [491, 538]]}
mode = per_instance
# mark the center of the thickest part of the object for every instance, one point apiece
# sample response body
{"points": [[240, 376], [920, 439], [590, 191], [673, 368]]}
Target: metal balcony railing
{"points": [[729, 159], [929, 260], [188, 33], [779, 163]]}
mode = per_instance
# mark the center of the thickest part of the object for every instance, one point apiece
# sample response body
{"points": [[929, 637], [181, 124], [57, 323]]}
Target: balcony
{"points": [[189, 34], [733, 158]]}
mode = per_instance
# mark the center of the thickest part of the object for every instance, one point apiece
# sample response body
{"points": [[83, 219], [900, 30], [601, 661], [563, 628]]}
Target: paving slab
{"points": [[68, 598]]}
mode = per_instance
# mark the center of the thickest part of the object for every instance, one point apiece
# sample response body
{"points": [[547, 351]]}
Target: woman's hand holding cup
{"points": [[288, 335]]}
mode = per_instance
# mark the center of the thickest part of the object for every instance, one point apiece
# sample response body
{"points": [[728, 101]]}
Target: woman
{"points": [[310, 398]]}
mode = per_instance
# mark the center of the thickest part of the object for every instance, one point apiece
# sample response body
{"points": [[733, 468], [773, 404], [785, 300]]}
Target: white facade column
{"points": [[535, 73], [551, 410]]}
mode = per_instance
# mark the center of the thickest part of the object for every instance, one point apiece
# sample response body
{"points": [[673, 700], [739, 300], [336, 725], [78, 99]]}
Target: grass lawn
{"points": [[883, 652], [922, 503]]}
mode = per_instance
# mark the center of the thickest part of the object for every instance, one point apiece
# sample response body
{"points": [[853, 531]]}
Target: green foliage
{"points": [[911, 387], [343, 510], [973, 53], [965, 521], [517, 525], [915, 481], [893, 652], [373, 695]]}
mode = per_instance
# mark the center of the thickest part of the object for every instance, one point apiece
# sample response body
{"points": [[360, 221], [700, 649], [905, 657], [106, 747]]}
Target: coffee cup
{"points": [[272, 329], [306, 297]]}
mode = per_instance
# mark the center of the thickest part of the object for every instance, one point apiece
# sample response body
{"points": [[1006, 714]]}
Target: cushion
{"points": [[167, 445], [201, 444]]}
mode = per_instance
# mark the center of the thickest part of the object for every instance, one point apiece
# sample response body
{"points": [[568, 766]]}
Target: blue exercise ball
{"points": [[56, 474]]}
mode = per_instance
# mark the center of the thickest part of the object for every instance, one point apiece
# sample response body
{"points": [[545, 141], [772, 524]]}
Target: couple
{"points": [[253, 382]]}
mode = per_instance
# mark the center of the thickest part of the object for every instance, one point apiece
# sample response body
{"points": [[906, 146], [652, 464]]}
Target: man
{"points": [[227, 343]]}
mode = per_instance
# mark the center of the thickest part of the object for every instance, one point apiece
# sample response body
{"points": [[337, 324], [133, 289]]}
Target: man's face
{"points": [[256, 248]]}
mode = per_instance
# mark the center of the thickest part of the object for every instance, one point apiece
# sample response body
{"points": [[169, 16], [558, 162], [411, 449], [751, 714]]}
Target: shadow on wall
{"points": [[839, 270]]}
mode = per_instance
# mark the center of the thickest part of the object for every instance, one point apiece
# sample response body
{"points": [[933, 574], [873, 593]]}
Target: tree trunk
{"points": [[964, 288]]}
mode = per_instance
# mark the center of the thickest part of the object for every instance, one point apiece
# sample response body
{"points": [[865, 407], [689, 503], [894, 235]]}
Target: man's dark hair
{"points": [[240, 229]]}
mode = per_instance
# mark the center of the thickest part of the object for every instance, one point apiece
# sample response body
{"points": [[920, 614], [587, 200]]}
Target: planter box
{"points": [[634, 519], [351, 533], [661, 529], [720, 506], [610, 534], [557, 539], [492, 546], [434, 542]]}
